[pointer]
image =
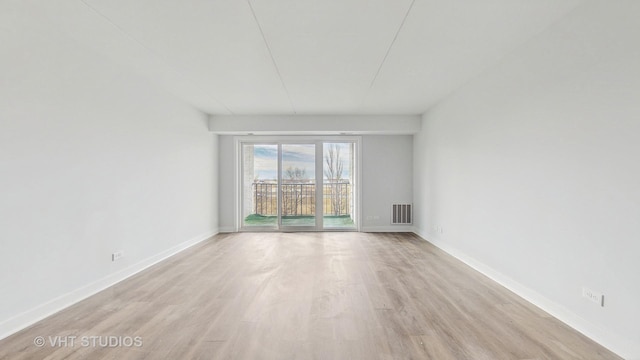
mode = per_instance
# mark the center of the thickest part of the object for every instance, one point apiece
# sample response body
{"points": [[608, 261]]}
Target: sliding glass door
{"points": [[259, 164], [338, 185], [298, 185]]}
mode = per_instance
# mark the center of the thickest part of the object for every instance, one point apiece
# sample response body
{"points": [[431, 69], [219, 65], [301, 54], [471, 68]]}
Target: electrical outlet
{"points": [[593, 296], [116, 256]]}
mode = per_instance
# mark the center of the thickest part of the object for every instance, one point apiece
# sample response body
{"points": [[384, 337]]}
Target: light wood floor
{"points": [[308, 296]]}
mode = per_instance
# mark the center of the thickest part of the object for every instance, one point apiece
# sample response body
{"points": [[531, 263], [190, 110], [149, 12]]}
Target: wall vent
{"points": [[401, 214]]}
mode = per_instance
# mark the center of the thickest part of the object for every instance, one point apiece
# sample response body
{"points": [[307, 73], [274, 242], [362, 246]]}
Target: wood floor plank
{"points": [[308, 296]]}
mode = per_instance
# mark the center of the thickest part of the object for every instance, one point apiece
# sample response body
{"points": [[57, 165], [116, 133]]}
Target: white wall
{"points": [[226, 186], [387, 177], [93, 160], [531, 172]]}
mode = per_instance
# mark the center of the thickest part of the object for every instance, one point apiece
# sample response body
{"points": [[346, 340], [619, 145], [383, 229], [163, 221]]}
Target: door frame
{"points": [[297, 139]]}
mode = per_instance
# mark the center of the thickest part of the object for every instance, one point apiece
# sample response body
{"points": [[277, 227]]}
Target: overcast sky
{"points": [[301, 156]]}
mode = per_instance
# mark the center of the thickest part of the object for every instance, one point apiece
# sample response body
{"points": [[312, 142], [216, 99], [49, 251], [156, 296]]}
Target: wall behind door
{"points": [[387, 167]]}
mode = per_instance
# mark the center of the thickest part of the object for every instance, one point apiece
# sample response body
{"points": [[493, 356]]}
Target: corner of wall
{"points": [[29, 317], [603, 337]]}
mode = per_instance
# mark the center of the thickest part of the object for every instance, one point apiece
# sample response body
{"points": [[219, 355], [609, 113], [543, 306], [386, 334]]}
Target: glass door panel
{"points": [[338, 185], [260, 186], [298, 186]]}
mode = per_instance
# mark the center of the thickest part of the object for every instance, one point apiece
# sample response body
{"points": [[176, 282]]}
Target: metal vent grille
{"points": [[401, 214]]}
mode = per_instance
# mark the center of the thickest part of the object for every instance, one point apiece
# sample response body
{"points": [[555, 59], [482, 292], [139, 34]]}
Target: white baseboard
{"points": [[616, 344], [29, 317], [390, 228]]}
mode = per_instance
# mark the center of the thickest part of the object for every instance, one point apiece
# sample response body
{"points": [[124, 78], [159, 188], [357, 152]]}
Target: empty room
{"points": [[320, 179]]}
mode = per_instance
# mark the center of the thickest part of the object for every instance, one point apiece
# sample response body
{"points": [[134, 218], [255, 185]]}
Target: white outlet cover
{"points": [[594, 296]]}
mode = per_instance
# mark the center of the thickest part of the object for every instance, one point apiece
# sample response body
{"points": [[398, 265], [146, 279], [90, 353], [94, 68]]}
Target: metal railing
{"points": [[299, 198]]}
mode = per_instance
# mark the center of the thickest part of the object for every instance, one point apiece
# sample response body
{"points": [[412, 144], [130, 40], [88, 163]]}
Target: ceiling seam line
{"points": [[273, 60], [149, 50], [384, 59]]}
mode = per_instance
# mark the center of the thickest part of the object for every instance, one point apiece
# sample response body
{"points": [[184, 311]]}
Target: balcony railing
{"points": [[298, 198]]}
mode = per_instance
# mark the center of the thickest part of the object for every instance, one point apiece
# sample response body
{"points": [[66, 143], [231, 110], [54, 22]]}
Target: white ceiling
{"points": [[302, 56]]}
